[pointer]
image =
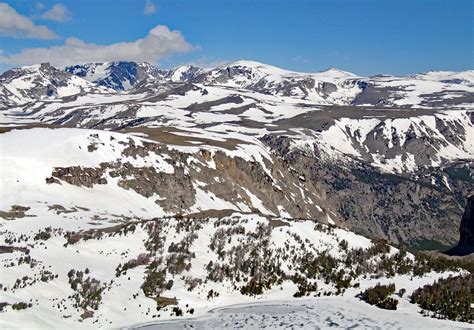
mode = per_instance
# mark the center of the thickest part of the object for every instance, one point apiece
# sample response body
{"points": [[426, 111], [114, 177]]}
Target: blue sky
{"points": [[363, 37]]}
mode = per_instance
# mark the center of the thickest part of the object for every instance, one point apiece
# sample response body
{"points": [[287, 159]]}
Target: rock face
{"points": [[467, 224], [402, 209], [179, 182]]}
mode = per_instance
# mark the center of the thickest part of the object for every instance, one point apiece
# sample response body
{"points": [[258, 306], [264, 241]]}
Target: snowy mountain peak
{"points": [[254, 65], [328, 87], [42, 81], [116, 75], [336, 73], [34, 67], [183, 73], [259, 165]]}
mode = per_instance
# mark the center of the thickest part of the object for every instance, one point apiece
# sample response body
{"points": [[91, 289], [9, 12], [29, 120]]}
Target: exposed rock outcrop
{"points": [[466, 230], [267, 187], [78, 176], [467, 224], [16, 212]]}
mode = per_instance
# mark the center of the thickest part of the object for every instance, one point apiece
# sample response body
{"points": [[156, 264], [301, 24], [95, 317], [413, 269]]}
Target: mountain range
{"points": [[182, 188]]}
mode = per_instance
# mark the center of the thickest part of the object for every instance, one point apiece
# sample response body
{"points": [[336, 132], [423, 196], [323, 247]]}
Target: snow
{"points": [[257, 203], [337, 138], [261, 67], [206, 200], [28, 158], [314, 314]]}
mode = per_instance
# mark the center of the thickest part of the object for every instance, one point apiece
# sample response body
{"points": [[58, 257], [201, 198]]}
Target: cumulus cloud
{"points": [[150, 8], [157, 44], [57, 13], [16, 25]]}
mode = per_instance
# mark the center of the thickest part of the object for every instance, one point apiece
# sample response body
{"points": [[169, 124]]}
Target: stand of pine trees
{"points": [[449, 298]]}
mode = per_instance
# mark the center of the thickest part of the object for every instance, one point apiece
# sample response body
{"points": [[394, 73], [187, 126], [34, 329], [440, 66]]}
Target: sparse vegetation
{"points": [[88, 291], [142, 259], [43, 235]]}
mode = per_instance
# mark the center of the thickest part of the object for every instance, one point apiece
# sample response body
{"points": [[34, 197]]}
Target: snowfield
{"points": [[315, 314]]}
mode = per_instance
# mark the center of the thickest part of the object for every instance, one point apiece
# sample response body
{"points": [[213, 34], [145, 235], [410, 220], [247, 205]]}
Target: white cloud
{"points": [[157, 44], [150, 8], [57, 13], [15, 25]]}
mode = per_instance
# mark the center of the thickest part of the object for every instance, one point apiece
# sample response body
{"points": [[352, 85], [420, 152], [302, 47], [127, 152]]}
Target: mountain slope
{"points": [[108, 274]]}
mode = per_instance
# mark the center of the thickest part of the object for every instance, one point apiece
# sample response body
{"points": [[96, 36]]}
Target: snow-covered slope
{"points": [[462, 78], [327, 87], [330, 87], [72, 267], [422, 91], [183, 73], [390, 139]]}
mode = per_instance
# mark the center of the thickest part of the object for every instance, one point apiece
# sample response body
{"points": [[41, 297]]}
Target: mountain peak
{"points": [[118, 75], [336, 73], [247, 63], [258, 66]]}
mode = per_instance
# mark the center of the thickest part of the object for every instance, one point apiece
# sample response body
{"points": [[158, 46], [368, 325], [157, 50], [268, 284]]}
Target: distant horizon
{"points": [[240, 60], [365, 37]]}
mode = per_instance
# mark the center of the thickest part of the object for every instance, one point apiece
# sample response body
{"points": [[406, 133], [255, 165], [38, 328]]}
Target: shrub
{"points": [[401, 292], [21, 305], [43, 235], [177, 311], [142, 259], [254, 287], [379, 296]]}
